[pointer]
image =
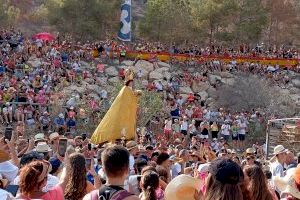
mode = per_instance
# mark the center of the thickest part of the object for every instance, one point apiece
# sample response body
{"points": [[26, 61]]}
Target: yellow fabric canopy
{"points": [[121, 115]]}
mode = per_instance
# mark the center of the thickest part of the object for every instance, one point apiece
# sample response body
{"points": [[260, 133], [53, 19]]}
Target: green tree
{"points": [[84, 19], [253, 18], [213, 16], [166, 20], [8, 13]]}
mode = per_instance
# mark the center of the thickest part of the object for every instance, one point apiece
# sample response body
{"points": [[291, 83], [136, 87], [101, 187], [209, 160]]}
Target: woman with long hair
{"points": [[257, 183], [77, 185], [225, 181], [149, 185], [33, 178]]}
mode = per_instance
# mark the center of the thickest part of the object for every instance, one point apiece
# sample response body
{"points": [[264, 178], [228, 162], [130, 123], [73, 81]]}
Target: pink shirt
{"points": [[55, 193]]}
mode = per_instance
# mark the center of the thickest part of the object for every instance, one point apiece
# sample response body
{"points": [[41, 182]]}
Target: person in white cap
{"points": [[277, 168]]}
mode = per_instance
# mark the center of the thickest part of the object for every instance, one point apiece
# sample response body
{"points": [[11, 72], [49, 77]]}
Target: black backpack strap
{"points": [[106, 192]]}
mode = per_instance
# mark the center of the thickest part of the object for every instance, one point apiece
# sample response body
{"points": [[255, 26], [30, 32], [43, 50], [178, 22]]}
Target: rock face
{"points": [[144, 65], [198, 87], [203, 95], [296, 83], [111, 71], [163, 64], [160, 73], [185, 90], [213, 78]]}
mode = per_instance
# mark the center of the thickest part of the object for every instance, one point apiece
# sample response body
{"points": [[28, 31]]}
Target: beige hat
{"points": [[131, 145], [42, 147], [39, 136], [53, 136], [287, 184], [182, 187], [250, 151], [279, 149]]}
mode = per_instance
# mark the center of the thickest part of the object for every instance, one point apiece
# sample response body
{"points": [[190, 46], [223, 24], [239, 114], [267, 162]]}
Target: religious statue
{"points": [[121, 116]]}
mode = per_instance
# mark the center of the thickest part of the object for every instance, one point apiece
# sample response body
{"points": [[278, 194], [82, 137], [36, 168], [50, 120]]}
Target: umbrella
{"points": [[43, 36]]}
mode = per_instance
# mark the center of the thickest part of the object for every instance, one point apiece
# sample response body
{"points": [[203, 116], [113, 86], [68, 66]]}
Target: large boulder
{"points": [[212, 92], [225, 75], [201, 86], [111, 71], [163, 64], [185, 90], [127, 63], [228, 81], [144, 65], [213, 78], [203, 95], [296, 83], [155, 75]]}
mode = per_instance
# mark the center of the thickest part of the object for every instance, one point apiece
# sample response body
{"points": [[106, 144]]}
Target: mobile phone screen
{"points": [[62, 147], [89, 147], [8, 133]]}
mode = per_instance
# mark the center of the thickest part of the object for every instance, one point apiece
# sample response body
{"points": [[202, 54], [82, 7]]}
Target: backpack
{"points": [[110, 192]]}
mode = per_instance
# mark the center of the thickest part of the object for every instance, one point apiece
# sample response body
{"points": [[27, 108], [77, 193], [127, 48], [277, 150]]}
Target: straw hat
{"points": [[287, 184], [42, 147], [182, 187], [279, 149], [53, 136], [39, 136], [250, 151], [131, 145]]}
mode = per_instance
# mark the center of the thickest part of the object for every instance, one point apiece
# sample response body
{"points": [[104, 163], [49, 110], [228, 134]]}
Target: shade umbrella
{"points": [[43, 36]]}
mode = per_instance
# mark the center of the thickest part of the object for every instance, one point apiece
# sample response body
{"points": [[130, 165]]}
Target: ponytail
{"points": [[149, 184], [150, 193]]}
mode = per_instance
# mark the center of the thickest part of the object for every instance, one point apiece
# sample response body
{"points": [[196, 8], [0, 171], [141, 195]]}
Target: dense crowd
{"points": [[199, 154]]}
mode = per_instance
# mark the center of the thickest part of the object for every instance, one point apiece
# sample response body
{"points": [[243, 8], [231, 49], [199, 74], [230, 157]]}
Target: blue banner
{"points": [[125, 29]]}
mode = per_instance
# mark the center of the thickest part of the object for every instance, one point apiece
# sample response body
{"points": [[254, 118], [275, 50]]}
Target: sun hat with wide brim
{"points": [[287, 184], [131, 145], [42, 147], [182, 187], [279, 149], [53, 136]]}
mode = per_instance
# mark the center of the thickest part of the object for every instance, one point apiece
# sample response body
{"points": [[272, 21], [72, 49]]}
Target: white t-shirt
{"points": [[225, 129], [243, 127], [184, 126], [277, 169], [131, 162], [103, 94], [4, 195], [175, 170], [168, 124], [8, 171], [52, 181]]}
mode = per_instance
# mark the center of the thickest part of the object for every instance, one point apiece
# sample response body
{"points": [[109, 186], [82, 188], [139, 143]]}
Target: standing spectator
{"points": [[149, 185], [242, 132], [257, 183], [184, 126], [214, 130], [168, 128], [115, 163], [225, 131], [60, 123], [277, 167]]}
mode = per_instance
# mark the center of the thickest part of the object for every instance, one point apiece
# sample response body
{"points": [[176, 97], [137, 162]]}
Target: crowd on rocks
{"points": [[200, 149]]}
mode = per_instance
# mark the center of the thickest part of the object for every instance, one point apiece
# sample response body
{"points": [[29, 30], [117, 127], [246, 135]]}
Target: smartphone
{"points": [[83, 136], [8, 133], [88, 162], [89, 147], [13, 189], [62, 146]]}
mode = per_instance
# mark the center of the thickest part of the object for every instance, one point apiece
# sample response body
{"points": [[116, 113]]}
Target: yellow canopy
{"points": [[121, 115]]}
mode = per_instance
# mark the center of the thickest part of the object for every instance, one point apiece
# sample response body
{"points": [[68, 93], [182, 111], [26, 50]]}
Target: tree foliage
{"points": [[84, 19], [8, 13]]}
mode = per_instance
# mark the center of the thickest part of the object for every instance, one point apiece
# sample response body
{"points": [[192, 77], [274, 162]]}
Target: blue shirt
{"points": [[59, 121]]}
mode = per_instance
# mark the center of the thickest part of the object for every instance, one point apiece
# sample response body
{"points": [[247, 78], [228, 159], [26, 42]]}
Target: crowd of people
{"points": [[200, 152]]}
